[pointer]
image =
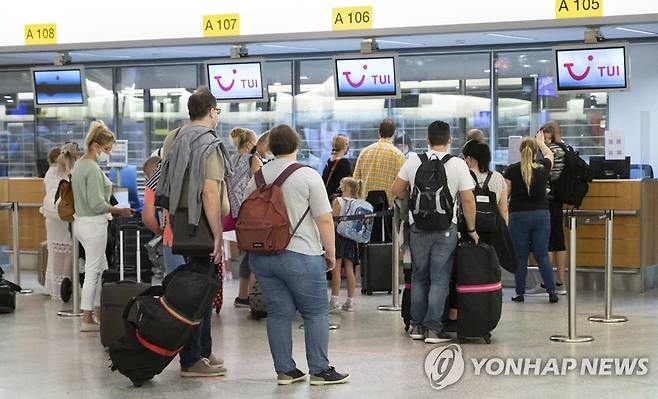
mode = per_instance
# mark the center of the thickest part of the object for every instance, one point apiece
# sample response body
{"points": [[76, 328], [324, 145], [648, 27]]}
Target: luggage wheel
{"points": [[487, 339]]}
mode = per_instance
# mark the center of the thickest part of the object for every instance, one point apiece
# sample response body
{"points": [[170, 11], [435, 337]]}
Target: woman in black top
{"points": [[337, 166], [529, 219]]}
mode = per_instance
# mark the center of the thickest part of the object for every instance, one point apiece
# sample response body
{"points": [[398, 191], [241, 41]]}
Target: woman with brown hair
{"points": [[529, 219], [337, 166]]}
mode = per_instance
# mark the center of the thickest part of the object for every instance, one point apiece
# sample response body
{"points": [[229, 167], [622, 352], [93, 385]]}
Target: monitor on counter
{"points": [[610, 168], [236, 81], [59, 86], [593, 67], [373, 76]]}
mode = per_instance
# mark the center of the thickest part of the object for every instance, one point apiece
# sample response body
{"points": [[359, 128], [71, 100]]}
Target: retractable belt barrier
{"points": [[373, 215]]}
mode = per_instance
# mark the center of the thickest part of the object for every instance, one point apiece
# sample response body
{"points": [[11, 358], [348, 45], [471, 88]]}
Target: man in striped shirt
{"points": [[379, 163]]}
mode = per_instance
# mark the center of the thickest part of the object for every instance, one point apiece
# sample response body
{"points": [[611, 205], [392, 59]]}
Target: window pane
{"points": [[152, 101], [452, 88], [320, 116], [261, 116], [16, 124], [524, 106]]}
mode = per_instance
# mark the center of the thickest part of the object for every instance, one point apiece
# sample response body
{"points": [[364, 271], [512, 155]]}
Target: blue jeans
{"points": [[295, 282], [432, 258], [530, 230], [171, 261], [200, 342]]}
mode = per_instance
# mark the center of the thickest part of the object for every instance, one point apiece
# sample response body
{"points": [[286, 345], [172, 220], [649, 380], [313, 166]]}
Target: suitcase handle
{"points": [[139, 257]]}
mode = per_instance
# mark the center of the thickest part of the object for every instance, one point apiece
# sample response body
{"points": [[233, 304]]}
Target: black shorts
{"points": [[556, 241]]}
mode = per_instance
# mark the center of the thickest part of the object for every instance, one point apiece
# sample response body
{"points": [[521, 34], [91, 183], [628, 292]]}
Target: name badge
{"points": [[482, 198]]}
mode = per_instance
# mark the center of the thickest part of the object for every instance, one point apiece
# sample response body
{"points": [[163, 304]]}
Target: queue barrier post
{"points": [[572, 336], [607, 317], [395, 263], [16, 246], [75, 312]]}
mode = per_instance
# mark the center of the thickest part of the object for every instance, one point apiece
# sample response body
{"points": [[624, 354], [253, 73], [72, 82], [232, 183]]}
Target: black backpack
{"points": [[486, 206], [431, 202], [572, 185]]}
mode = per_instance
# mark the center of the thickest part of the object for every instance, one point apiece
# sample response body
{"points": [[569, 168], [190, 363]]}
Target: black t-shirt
{"points": [[343, 169], [520, 200]]}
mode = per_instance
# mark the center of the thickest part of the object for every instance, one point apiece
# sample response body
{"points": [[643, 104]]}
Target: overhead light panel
{"points": [[643, 32], [506, 36], [282, 46], [399, 42]]}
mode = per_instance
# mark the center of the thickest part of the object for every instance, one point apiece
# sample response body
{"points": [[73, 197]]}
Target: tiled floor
{"points": [[44, 356]]}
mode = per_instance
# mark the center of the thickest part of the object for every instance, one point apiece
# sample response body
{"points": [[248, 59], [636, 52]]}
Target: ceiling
{"points": [[455, 41]]}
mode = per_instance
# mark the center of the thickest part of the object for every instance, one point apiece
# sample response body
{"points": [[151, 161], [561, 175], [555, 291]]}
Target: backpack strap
{"points": [[423, 158], [259, 178], [446, 158], [475, 179]]}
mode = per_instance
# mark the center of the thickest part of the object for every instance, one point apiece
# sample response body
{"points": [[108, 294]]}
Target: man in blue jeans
{"points": [[296, 279], [432, 247]]}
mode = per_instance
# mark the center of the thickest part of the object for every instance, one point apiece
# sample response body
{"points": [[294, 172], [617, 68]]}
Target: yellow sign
{"points": [[221, 25], [40, 34], [350, 18], [578, 8]]}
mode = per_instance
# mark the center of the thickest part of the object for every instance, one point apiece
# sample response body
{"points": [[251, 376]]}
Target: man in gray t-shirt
{"points": [[296, 280]]}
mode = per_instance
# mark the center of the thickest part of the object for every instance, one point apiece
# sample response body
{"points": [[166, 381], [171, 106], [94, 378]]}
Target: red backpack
{"points": [[263, 226]]}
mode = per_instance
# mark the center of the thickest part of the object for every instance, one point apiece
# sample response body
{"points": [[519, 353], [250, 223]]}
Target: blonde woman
{"points": [[245, 164], [57, 231], [92, 191], [347, 254], [529, 219], [337, 166]]}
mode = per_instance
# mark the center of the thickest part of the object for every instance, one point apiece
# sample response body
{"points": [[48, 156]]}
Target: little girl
{"points": [[347, 254]]}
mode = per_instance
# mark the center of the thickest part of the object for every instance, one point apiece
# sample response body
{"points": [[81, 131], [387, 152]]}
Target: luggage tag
{"points": [[482, 198]]}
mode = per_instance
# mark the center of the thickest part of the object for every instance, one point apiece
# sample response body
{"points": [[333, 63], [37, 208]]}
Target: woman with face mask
{"points": [[91, 192]]}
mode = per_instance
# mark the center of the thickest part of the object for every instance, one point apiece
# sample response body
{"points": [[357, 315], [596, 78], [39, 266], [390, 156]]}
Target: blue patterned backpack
{"points": [[358, 230]]}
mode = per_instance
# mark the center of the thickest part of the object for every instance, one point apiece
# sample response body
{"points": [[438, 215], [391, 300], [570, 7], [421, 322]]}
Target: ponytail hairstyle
{"points": [[241, 136], [355, 186], [339, 143], [69, 153], [99, 134], [528, 150]]}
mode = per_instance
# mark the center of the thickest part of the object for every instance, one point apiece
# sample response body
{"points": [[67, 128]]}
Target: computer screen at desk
{"points": [[610, 169]]}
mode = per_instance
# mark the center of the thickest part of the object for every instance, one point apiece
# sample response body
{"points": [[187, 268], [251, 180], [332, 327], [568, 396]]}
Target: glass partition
{"points": [[16, 124], [526, 100]]}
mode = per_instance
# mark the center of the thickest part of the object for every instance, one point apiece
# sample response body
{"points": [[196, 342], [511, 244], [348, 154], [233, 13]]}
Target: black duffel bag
{"points": [[8, 292]]}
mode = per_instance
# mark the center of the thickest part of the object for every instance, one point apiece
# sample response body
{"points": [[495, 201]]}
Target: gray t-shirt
{"points": [[303, 189]]}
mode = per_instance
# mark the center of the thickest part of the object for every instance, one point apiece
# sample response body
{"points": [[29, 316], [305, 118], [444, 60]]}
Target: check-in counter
{"points": [[635, 243], [31, 222]]}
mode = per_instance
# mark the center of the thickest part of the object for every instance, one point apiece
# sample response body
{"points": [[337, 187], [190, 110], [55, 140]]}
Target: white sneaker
{"points": [[348, 307], [537, 291], [561, 289], [334, 307]]}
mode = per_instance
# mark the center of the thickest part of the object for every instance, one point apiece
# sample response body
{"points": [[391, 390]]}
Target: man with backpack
{"points": [[286, 226], [433, 180]]}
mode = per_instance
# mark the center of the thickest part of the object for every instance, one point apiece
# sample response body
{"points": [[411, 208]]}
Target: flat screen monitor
{"points": [[366, 77], [589, 68], [59, 86], [610, 168], [232, 81], [545, 86]]}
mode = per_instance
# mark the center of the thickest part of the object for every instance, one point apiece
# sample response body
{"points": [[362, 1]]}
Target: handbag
{"points": [[190, 240]]}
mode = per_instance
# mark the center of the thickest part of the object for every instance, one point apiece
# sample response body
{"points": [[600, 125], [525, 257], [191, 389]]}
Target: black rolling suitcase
{"points": [[116, 295], [377, 254], [479, 290]]}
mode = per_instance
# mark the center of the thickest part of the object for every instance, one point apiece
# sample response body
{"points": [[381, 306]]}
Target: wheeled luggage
{"points": [[165, 318], [376, 268], [479, 290], [8, 292], [116, 295]]}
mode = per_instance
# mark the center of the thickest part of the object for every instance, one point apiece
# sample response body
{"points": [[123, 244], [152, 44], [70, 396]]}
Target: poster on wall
{"points": [[614, 145]]}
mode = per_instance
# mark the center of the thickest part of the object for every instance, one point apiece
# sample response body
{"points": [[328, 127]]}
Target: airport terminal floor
{"points": [[44, 356]]}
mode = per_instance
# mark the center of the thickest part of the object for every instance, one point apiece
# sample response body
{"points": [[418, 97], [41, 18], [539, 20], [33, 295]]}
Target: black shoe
{"points": [[290, 377], [518, 298], [417, 333], [329, 377], [553, 298], [434, 337], [241, 303], [450, 326]]}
